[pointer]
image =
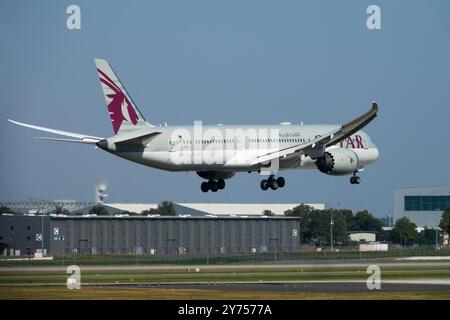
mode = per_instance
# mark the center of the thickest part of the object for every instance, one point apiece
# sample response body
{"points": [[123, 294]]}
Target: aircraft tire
{"points": [[221, 184], [264, 184], [213, 185], [204, 186], [273, 184]]}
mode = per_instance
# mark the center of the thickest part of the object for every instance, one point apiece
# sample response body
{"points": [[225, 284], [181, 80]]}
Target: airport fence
{"points": [[232, 257]]}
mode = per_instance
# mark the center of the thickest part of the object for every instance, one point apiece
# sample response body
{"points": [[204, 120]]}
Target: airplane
{"points": [[218, 152]]}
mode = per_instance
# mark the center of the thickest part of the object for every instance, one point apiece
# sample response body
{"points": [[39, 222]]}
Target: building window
{"points": [[426, 203]]}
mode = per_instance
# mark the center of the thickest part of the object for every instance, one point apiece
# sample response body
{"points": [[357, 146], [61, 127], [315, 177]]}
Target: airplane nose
{"points": [[376, 154]]}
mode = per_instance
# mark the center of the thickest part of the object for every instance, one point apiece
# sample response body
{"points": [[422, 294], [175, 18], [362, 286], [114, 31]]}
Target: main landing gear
{"points": [[213, 185], [355, 179], [273, 183]]}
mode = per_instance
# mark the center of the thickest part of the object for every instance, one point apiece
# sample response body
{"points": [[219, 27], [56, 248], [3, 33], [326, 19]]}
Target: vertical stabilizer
{"points": [[124, 114]]}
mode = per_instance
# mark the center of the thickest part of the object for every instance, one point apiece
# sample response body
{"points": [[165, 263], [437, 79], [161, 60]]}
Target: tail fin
{"points": [[125, 116]]}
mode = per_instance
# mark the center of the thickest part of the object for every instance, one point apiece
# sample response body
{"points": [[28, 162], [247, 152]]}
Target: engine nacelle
{"points": [[338, 162]]}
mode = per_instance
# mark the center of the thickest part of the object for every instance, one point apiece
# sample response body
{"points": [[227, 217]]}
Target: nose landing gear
{"points": [[355, 179], [272, 183]]}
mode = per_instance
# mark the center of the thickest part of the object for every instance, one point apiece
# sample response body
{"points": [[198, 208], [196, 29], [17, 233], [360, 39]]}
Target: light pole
{"points": [[74, 251], [436, 242], [390, 220], [42, 234], [436, 229], [168, 245], [208, 248], [401, 243], [331, 231], [275, 248]]}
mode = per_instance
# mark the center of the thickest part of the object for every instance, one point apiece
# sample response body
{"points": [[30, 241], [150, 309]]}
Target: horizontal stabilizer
{"points": [[84, 138]]}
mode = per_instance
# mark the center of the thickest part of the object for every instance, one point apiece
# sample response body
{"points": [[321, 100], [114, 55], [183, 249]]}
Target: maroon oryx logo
{"points": [[120, 108]]}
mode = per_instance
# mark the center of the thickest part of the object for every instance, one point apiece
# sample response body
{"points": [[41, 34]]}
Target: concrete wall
{"points": [[20, 233]]}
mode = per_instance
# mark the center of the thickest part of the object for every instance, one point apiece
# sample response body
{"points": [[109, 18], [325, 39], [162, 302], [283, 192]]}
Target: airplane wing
{"points": [[81, 138], [316, 147]]}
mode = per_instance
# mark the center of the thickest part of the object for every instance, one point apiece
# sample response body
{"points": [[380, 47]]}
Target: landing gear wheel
{"points": [[355, 180], [281, 182], [273, 184], [212, 185], [204, 186], [221, 184], [264, 184]]}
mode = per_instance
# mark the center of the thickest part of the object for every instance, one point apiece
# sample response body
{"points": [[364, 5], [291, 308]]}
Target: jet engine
{"points": [[338, 162]]}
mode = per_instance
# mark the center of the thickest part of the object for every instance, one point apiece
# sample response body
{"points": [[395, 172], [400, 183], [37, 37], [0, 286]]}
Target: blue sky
{"points": [[231, 62]]}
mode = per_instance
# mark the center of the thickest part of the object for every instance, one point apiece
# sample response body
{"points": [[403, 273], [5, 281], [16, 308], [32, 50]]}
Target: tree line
{"points": [[315, 227]]}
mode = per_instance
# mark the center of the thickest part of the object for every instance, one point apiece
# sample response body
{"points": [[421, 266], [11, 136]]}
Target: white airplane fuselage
{"points": [[180, 149]]}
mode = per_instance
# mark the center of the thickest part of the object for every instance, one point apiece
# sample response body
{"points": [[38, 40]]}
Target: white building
{"points": [[213, 209], [245, 209], [192, 209], [422, 205], [363, 236]]}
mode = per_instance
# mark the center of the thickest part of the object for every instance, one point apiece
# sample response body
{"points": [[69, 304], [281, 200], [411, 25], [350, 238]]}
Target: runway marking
{"points": [[324, 264]]}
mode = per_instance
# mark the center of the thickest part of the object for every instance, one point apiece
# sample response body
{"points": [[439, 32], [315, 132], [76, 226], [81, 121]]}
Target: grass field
{"points": [[51, 293], [50, 285], [226, 275]]}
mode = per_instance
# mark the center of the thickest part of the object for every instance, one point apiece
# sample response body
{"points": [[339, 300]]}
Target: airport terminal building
{"points": [[423, 205], [160, 236]]}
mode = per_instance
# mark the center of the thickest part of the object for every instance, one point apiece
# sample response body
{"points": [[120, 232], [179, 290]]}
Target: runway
{"points": [[289, 265], [326, 286], [344, 286]]}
